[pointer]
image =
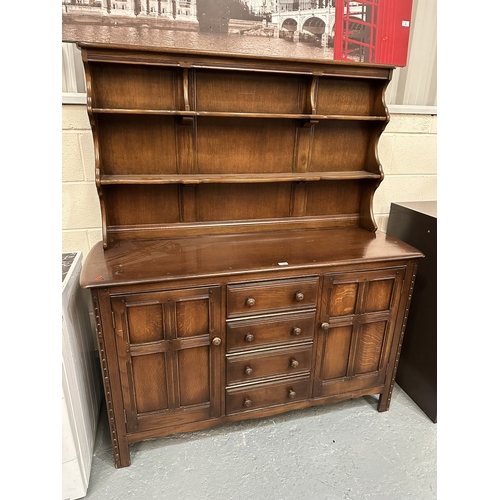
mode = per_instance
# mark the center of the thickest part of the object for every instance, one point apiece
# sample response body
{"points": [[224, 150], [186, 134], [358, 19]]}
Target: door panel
{"points": [[370, 339], [169, 367], [358, 311], [194, 376], [150, 382], [336, 352], [378, 295], [192, 317], [343, 299], [145, 323]]}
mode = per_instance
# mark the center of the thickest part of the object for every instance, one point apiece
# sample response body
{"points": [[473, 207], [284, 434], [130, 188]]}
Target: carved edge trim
{"points": [[105, 377], [403, 328]]}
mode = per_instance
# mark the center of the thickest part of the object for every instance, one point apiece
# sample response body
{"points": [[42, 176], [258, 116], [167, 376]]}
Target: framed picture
{"points": [[363, 31]]}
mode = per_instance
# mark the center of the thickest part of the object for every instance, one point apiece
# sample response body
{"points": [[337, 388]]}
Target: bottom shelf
{"points": [[171, 210]]}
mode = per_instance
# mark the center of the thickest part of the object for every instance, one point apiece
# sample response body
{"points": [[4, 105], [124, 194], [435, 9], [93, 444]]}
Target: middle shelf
{"points": [[235, 178], [164, 146]]}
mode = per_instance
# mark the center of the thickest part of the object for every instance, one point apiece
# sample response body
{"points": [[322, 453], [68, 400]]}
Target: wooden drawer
{"points": [[258, 396], [245, 368], [274, 330], [262, 296]]}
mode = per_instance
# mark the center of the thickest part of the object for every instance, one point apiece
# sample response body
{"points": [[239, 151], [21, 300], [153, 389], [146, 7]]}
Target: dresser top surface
{"points": [[147, 261]]}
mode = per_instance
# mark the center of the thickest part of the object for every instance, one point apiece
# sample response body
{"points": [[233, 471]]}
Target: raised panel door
{"points": [[169, 351], [357, 323]]}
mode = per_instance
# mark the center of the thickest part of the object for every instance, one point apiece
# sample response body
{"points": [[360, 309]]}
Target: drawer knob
{"points": [[325, 326], [299, 296], [297, 331], [294, 363], [291, 394], [216, 341], [250, 302], [248, 371], [249, 337], [247, 402]]}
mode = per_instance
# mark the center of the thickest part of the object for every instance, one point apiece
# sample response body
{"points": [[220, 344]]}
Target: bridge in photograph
{"points": [[319, 22]]}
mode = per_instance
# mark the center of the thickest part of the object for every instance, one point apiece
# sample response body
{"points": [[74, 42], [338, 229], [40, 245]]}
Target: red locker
{"points": [[372, 31]]}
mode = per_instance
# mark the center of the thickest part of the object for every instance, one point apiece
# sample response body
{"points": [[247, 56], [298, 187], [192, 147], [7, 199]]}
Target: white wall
{"points": [[81, 219], [407, 151], [408, 154]]}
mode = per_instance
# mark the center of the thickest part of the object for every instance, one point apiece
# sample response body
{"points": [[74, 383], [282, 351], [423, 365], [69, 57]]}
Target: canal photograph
{"points": [[285, 28]]}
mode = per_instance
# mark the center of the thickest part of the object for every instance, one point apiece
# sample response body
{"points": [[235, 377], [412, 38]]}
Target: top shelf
{"points": [[189, 58], [199, 90]]}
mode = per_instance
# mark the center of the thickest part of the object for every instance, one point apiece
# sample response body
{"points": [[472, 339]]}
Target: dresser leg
{"points": [[116, 420], [120, 446], [122, 457], [384, 400], [385, 397]]}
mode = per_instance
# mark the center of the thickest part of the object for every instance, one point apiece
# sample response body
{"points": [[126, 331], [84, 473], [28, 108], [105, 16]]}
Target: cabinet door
{"points": [[358, 313], [169, 347]]}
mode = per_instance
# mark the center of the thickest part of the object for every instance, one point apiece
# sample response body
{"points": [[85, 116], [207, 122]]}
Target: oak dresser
{"points": [[241, 272]]}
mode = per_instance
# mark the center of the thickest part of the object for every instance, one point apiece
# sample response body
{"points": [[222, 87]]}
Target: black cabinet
{"points": [[416, 224]]}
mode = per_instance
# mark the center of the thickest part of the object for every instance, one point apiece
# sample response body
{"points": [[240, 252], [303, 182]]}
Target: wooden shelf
{"points": [[292, 116], [235, 178], [192, 143]]}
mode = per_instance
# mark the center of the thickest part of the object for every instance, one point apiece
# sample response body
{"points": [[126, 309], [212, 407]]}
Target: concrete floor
{"points": [[343, 451]]}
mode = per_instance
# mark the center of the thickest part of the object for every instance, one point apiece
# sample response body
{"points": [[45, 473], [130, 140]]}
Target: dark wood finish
{"points": [[240, 273], [262, 296], [357, 324], [272, 330], [264, 124], [268, 394], [164, 344], [266, 363], [416, 223]]}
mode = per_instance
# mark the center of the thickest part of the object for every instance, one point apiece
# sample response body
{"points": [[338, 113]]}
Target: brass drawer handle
{"points": [[294, 363], [292, 394], [249, 337], [247, 402], [248, 371], [296, 330], [250, 302], [325, 326], [299, 296], [216, 341]]}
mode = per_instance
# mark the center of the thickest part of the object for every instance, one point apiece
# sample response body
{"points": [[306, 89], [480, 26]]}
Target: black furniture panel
{"points": [[416, 223]]}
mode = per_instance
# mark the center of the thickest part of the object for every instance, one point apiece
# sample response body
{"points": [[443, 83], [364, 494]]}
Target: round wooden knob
{"points": [[248, 371], [249, 337], [299, 296], [291, 393], [294, 363], [247, 402], [250, 302], [325, 326], [216, 341], [297, 331]]}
